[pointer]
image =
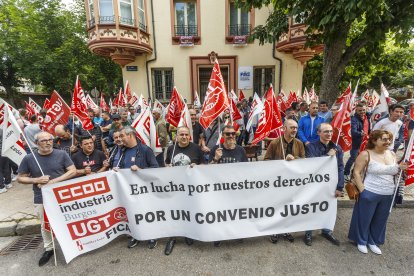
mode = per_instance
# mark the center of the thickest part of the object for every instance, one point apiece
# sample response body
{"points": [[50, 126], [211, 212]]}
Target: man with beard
{"points": [[197, 128], [286, 147], [228, 152], [183, 153], [55, 166], [88, 160], [116, 151]]}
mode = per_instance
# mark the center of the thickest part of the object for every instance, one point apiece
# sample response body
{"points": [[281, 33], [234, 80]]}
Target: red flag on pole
{"points": [[216, 100], [58, 113], [270, 117], [128, 92], [30, 110], [341, 124], [102, 103], [344, 95], [46, 104], [78, 106], [241, 95], [234, 111], [175, 108]]}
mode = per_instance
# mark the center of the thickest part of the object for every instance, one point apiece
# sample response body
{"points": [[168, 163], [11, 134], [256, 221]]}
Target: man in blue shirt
{"points": [[307, 125], [325, 147], [136, 156]]}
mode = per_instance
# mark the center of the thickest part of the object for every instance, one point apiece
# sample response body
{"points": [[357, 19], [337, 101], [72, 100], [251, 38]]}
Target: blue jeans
{"points": [[351, 160], [369, 218]]}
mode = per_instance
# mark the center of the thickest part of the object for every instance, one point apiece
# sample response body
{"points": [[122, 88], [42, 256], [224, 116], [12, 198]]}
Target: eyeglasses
{"points": [[46, 140], [116, 119], [229, 133]]}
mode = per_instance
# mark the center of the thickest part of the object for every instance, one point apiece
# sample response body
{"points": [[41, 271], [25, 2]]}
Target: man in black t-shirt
{"points": [[89, 160], [229, 151], [182, 153], [197, 128]]}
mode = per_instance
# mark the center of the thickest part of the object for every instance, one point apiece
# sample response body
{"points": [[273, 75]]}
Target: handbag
{"points": [[351, 188]]}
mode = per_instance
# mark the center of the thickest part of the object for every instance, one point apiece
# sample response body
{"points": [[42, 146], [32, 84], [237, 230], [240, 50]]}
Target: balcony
{"points": [[293, 42], [189, 31], [237, 34]]}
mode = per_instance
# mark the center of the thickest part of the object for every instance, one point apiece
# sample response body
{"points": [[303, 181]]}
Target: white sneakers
{"points": [[9, 186], [362, 248], [375, 249], [3, 190], [372, 247]]}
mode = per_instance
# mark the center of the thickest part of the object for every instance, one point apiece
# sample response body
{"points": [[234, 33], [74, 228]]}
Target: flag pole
{"points": [[406, 158]]}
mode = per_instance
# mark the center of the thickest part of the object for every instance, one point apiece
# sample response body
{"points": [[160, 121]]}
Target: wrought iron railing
{"points": [[91, 22], [126, 21], [106, 19], [240, 29], [186, 30], [142, 27]]}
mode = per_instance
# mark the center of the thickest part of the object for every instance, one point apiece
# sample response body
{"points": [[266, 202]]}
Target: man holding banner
{"points": [[325, 147], [46, 166]]}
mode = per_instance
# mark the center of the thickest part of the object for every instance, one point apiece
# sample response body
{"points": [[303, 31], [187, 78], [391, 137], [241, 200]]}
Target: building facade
{"points": [[165, 43]]}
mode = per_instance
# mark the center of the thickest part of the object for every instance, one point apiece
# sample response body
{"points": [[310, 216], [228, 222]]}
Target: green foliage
{"points": [[45, 43]]}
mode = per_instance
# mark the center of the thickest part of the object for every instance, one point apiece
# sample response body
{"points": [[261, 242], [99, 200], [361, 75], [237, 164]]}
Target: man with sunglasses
{"points": [[325, 147], [56, 167]]}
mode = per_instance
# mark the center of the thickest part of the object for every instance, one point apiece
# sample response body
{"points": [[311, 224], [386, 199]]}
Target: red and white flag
{"points": [[291, 99], [120, 99], [365, 96], [90, 103], [34, 105], [281, 101], [46, 104], [159, 105], [175, 108], [30, 110], [341, 122], [270, 118], [234, 111], [305, 96], [381, 110], [134, 100], [102, 103], [216, 100], [409, 157], [78, 106], [12, 145], [142, 102], [146, 130], [128, 92], [373, 101], [344, 95], [58, 113], [185, 120], [256, 109], [241, 95], [197, 102]]}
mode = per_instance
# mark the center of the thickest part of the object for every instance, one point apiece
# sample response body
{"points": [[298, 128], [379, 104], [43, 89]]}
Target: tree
{"points": [[45, 43], [343, 26]]}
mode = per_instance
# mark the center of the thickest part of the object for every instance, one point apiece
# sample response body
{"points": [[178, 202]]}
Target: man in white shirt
{"points": [[393, 123]]}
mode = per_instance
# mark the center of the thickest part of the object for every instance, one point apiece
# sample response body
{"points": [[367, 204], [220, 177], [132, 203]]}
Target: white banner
{"points": [[206, 203]]}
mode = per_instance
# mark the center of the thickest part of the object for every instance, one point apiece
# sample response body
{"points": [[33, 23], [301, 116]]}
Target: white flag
{"points": [[146, 130], [196, 102], [12, 145], [90, 103], [256, 109], [185, 120], [381, 110], [34, 105]]}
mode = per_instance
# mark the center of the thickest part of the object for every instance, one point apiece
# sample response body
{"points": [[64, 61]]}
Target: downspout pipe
{"points": [[280, 63], [155, 50]]}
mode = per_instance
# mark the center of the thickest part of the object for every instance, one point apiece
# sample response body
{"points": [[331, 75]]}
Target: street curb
{"points": [[350, 204]]}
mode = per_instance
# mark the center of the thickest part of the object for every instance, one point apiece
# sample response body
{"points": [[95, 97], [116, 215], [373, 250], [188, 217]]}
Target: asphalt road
{"points": [[256, 256]]}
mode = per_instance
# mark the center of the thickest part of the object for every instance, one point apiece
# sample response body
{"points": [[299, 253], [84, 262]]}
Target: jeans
{"points": [[5, 173], [351, 160]]}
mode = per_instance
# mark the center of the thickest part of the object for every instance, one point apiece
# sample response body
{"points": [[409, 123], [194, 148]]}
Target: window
{"points": [[162, 83], [91, 13], [141, 15], [106, 12], [125, 8], [185, 18], [262, 78], [239, 21]]}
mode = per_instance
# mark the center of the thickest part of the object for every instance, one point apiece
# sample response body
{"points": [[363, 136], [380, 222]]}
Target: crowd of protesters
{"points": [[113, 144]]}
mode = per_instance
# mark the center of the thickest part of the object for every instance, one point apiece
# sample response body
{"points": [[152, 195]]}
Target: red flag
{"points": [[234, 111], [216, 100], [128, 92], [346, 93], [46, 104], [30, 110], [241, 95], [270, 117], [58, 113], [292, 98], [175, 108], [120, 99], [102, 103], [341, 124], [281, 103], [78, 106]]}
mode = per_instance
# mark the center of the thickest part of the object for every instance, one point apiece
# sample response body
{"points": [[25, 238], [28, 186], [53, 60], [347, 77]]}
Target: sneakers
{"points": [[330, 237], [3, 190], [45, 257], [274, 238], [152, 244], [374, 249], [288, 237], [362, 248], [14, 177], [9, 186], [308, 239], [132, 243]]}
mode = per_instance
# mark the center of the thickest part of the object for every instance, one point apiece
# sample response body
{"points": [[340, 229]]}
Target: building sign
{"points": [[186, 41], [240, 40], [132, 68], [245, 80]]}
